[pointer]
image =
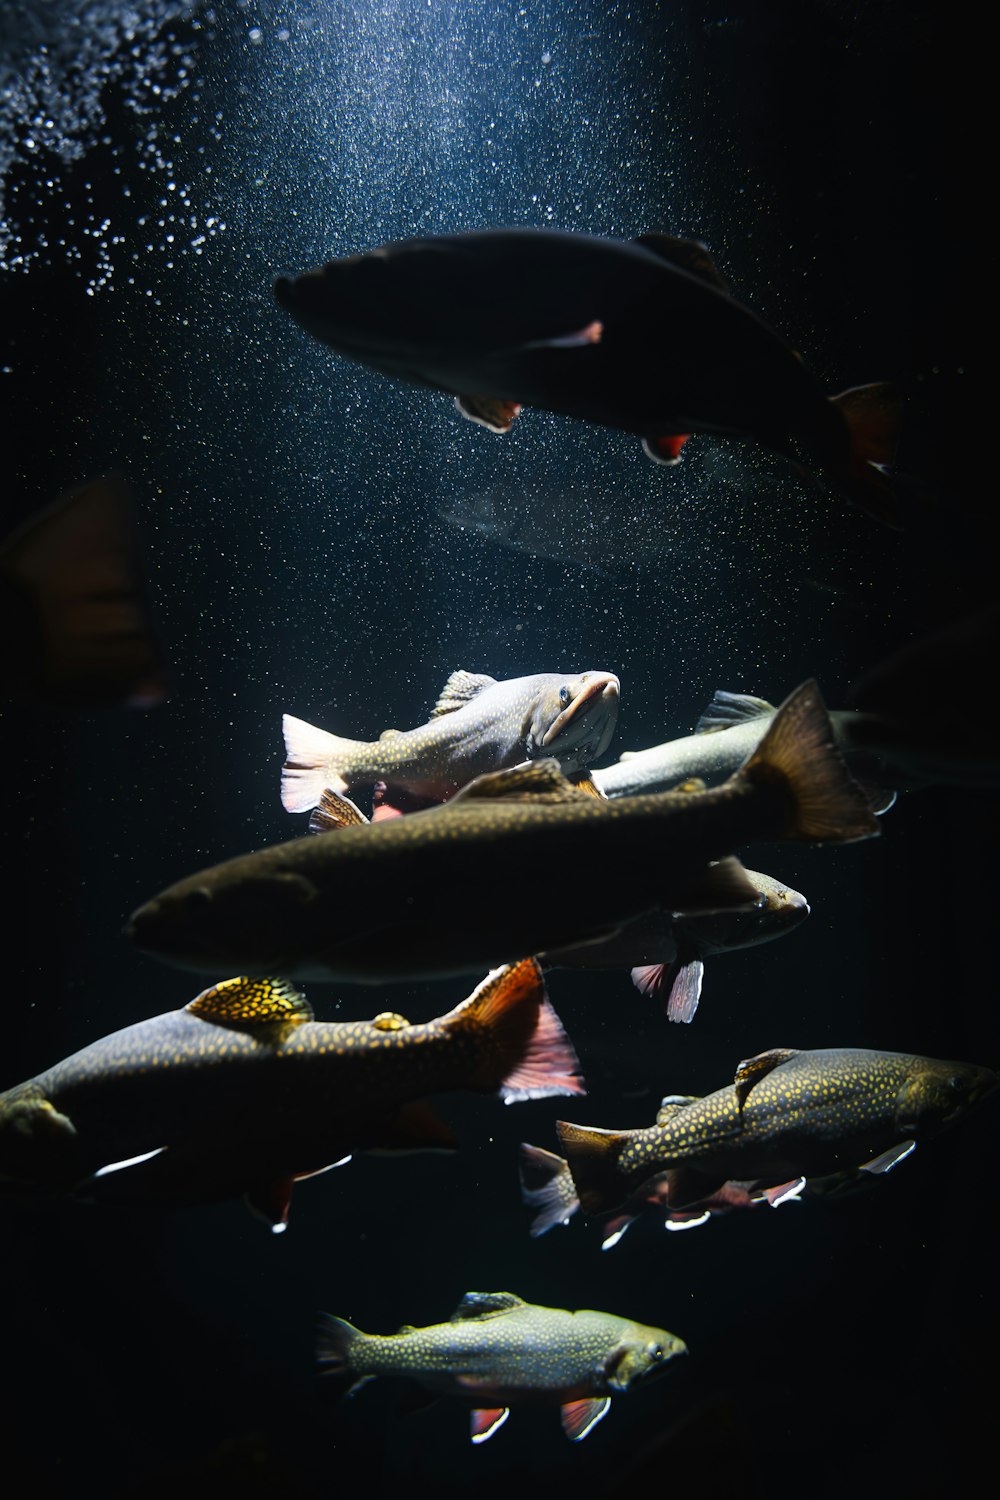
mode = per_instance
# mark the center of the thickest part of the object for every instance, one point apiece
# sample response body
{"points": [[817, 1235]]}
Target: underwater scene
{"points": [[500, 615]]}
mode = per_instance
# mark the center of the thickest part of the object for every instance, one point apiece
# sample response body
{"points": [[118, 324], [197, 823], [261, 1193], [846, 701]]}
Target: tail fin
{"points": [[333, 1345], [592, 1156], [521, 1047], [828, 806], [554, 1196], [311, 764], [873, 414]]}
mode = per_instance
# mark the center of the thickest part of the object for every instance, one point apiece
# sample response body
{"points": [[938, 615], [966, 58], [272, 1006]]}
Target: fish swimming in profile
{"points": [[73, 606], [517, 862], [243, 1092], [498, 1351], [729, 730], [788, 1114], [477, 725], [641, 335]]}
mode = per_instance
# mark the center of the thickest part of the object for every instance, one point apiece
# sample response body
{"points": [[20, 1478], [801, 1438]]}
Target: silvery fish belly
{"points": [[787, 1114], [498, 1351], [477, 725]]}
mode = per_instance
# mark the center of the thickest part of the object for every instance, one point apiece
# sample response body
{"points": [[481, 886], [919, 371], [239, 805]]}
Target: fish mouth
{"points": [[597, 697]]}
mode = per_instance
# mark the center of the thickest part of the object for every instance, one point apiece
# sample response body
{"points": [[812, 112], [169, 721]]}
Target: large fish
{"points": [[638, 334], [729, 730], [477, 725], [243, 1092], [518, 862], [498, 1351], [787, 1114]]}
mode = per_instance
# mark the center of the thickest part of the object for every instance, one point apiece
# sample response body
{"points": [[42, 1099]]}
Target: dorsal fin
{"points": [[244, 1003], [752, 1069], [532, 780], [690, 255], [485, 1305], [460, 689], [333, 812], [727, 709]]}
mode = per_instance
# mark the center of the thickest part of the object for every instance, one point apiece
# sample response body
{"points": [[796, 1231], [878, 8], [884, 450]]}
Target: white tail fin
{"points": [[311, 757]]}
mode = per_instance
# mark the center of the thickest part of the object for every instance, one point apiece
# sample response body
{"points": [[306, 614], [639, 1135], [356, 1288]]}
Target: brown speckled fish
{"points": [[787, 1114], [243, 1092], [498, 1351]]}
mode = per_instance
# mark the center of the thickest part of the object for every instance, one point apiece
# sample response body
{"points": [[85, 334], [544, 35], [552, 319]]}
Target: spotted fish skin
{"points": [[242, 1087], [479, 725], [788, 1114], [499, 1351]]}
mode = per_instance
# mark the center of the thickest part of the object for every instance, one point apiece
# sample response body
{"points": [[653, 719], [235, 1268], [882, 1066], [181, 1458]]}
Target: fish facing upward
{"points": [[73, 606], [518, 862], [640, 335], [242, 1091], [728, 731], [787, 1114], [498, 1351], [477, 725]]}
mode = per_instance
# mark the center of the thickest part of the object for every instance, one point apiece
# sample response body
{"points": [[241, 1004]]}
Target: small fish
{"points": [[242, 1092], [640, 335], [498, 1351], [517, 862], [477, 725], [73, 606], [787, 1114], [728, 731]]}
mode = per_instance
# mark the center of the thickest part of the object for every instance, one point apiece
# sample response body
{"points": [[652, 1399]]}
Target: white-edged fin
{"points": [[318, 1171], [485, 1421], [493, 412], [685, 992], [610, 1240], [581, 1417], [890, 1158], [578, 339], [788, 1192], [309, 767], [727, 709], [130, 1161], [695, 1223]]}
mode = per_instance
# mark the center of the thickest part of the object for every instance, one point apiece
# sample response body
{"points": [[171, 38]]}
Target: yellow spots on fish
{"points": [[390, 1020]]}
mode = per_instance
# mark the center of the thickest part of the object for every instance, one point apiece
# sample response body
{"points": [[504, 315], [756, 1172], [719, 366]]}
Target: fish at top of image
{"points": [[788, 1113], [243, 1092], [73, 598], [477, 725], [498, 1351], [518, 862], [640, 335]]}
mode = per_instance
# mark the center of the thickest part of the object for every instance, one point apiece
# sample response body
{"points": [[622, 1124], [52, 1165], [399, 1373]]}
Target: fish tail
{"points": [[334, 1338], [312, 757], [553, 1193], [523, 1051], [826, 804], [593, 1158], [874, 415]]}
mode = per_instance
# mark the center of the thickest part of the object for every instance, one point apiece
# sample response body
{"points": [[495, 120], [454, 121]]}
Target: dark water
{"points": [[303, 554]]}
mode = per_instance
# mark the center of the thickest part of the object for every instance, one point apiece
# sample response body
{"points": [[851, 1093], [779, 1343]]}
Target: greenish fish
{"points": [[478, 725], [242, 1091], [498, 1351], [518, 862], [787, 1114]]}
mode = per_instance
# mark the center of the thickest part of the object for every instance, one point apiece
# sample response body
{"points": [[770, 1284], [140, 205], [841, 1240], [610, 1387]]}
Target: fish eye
{"points": [[656, 1352], [954, 1083], [564, 696]]}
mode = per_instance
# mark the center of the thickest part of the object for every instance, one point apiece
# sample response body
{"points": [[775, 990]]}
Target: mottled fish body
{"points": [[478, 725], [788, 1114], [641, 335], [518, 862], [243, 1092], [498, 1351]]}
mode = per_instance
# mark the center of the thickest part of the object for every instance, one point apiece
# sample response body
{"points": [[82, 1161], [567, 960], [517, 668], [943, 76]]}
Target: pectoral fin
{"points": [[484, 1421], [581, 1417], [489, 411]]}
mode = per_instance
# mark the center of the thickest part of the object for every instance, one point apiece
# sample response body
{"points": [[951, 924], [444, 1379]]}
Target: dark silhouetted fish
{"points": [[639, 334], [498, 1351]]}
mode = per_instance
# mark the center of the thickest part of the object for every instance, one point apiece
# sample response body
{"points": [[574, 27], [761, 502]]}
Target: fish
{"points": [[519, 862], [788, 1113], [640, 335], [498, 1351], [243, 1092], [729, 730], [547, 1187], [477, 725], [74, 607]]}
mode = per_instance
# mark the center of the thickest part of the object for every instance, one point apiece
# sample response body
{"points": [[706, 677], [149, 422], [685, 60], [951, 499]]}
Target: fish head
{"points": [[235, 916], [937, 1093], [639, 1353], [778, 910], [573, 717]]}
